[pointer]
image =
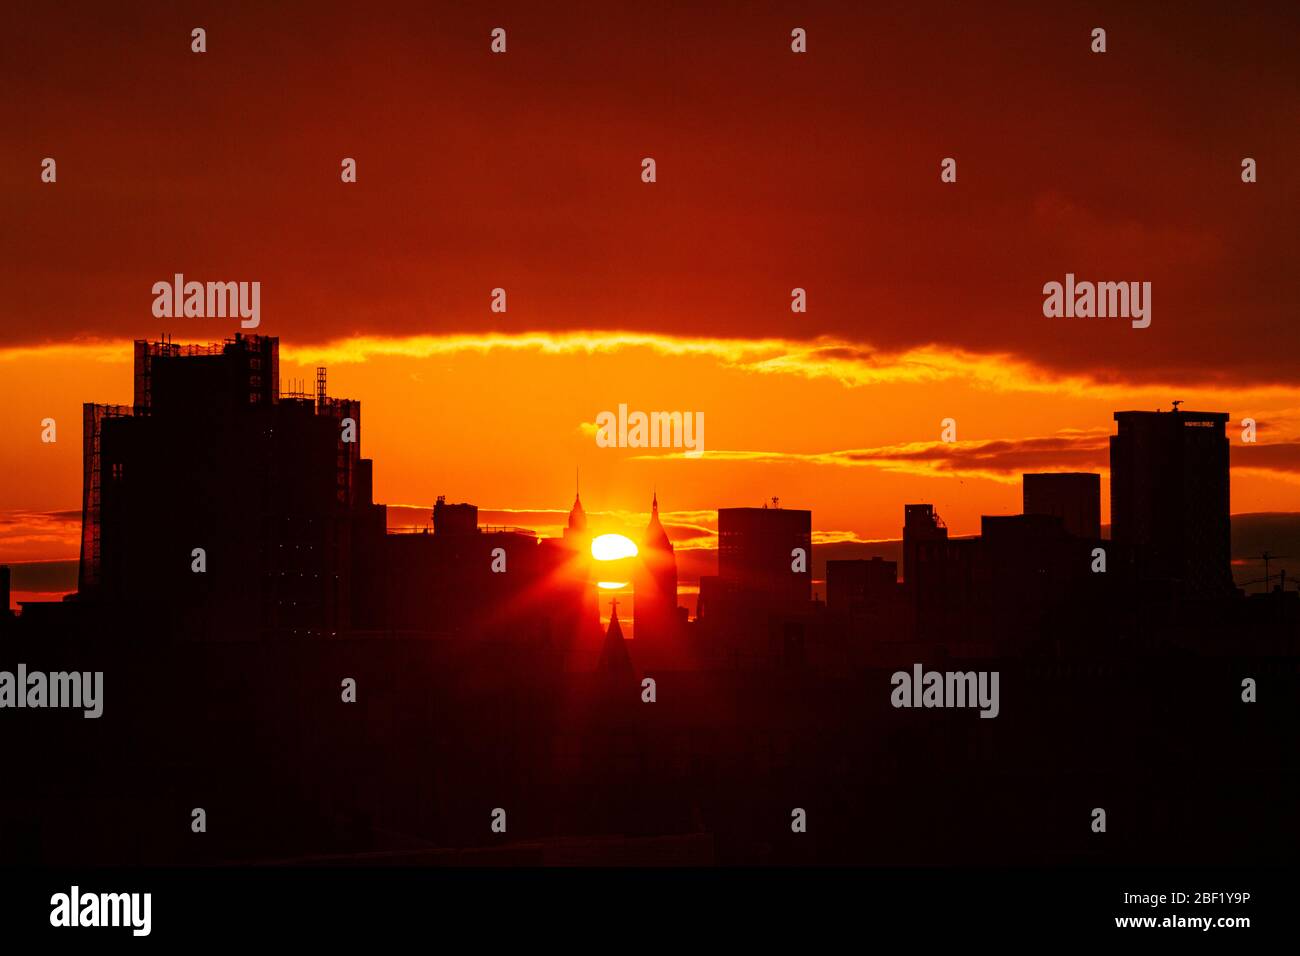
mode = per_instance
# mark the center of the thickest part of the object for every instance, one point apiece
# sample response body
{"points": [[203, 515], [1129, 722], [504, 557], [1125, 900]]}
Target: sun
{"points": [[613, 552], [612, 547]]}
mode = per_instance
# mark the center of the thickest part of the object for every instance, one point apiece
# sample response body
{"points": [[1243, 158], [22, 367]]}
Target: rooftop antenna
{"points": [[1266, 557], [1177, 403]]}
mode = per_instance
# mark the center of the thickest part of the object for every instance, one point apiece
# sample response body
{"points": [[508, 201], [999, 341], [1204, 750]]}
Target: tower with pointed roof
{"points": [[576, 532], [576, 620], [577, 516], [614, 658], [655, 584]]}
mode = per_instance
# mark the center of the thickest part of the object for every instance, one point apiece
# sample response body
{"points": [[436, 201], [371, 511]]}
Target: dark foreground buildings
{"points": [[481, 677], [1169, 501], [1073, 497], [756, 610], [220, 507]]}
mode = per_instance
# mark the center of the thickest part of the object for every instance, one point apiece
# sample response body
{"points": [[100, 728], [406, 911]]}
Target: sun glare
{"points": [[612, 547]]}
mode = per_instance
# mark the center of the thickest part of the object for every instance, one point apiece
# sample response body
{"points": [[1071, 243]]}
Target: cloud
{"points": [[850, 364], [33, 535], [1003, 460], [1280, 459], [998, 460], [895, 263]]}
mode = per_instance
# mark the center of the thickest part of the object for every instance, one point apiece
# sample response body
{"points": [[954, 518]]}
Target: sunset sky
{"points": [[775, 171]]}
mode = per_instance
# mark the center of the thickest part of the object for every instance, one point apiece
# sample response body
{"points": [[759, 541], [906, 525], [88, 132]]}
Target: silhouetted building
{"points": [[578, 604], [1169, 501], [921, 523], [708, 603], [369, 571], [864, 600], [1004, 588], [575, 534], [756, 558], [1030, 568], [218, 501], [614, 659], [464, 706], [454, 519], [464, 580], [854, 586], [1074, 497], [754, 612], [655, 585]]}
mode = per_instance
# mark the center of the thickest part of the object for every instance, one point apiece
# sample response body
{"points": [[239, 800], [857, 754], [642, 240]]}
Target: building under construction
{"points": [[220, 502], [219, 506]]}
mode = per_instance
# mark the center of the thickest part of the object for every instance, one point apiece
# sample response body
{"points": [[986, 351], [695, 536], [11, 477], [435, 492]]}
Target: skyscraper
{"points": [[575, 533], [1169, 500], [757, 560], [218, 490], [655, 584]]}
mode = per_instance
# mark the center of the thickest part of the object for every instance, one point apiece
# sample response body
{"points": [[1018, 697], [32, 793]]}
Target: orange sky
{"points": [[775, 170], [504, 424]]}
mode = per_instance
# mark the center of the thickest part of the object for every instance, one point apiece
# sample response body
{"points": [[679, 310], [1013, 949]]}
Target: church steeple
{"points": [[614, 658]]}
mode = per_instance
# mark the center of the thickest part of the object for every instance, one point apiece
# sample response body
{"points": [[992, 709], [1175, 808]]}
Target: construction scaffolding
{"points": [[93, 417]]}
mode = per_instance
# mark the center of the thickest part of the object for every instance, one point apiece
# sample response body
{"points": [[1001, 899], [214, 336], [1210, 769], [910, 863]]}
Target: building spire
{"points": [[655, 535], [577, 517], [614, 658]]}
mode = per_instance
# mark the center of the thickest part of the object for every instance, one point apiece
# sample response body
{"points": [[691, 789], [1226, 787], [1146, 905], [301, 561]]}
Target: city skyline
{"points": [[1071, 497], [924, 298], [758, 442], [693, 531], [231, 531]]}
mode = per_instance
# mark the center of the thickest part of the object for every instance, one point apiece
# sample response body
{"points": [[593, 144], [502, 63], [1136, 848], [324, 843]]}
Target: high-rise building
{"points": [[575, 533], [1074, 497], [220, 498], [757, 558], [654, 611], [921, 523], [1169, 500]]}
